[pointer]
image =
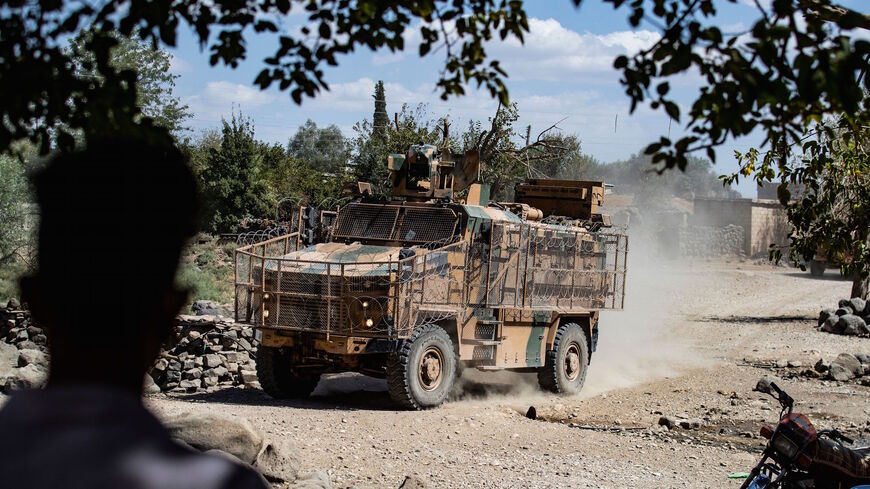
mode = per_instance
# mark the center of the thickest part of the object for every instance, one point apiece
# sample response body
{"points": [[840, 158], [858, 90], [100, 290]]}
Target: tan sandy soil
{"points": [[691, 343]]}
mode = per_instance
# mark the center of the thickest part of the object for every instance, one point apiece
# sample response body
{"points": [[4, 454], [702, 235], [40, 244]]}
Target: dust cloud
{"points": [[642, 342], [638, 344]]}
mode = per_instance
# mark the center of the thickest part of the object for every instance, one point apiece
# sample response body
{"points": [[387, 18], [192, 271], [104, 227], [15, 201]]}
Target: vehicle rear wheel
{"points": [[564, 370], [817, 268], [279, 378], [421, 374]]}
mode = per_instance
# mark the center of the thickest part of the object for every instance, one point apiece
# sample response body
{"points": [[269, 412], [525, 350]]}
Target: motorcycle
{"points": [[799, 457]]}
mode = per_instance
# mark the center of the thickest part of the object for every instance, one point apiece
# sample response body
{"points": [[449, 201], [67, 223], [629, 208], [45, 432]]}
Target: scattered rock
{"points": [[842, 311], [278, 462], [851, 325], [211, 432], [822, 366], [412, 482], [810, 373], [858, 305], [668, 422], [8, 356], [28, 377], [831, 325], [825, 314], [863, 358], [32, 357], [532, 413], [149, 386], [840, 373], [849, 362], [691, 424]]}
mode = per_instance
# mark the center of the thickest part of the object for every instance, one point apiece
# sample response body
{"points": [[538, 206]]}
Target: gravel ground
{"points": [[690, 344]]}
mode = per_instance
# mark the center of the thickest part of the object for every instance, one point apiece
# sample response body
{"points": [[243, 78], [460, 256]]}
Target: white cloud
{"points": [[224, 92], [178, 66], [553, 52], [220, 98]]}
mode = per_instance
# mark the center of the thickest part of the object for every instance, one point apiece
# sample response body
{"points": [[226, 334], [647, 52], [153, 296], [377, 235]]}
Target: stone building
{"points": [[763, 220]]}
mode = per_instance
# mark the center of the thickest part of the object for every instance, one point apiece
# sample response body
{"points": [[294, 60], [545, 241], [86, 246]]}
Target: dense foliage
{"points": [[155, 82], [826, 192], [230, 181], [54, 102]]}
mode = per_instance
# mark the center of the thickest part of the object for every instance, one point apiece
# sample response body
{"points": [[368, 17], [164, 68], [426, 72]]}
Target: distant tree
{"points": [[231, 181], [198, 148], [323, 149], [508, 157], [496, 143], [14, 197], [154, 83], [286, 177], [369, 161], [380, 118]]}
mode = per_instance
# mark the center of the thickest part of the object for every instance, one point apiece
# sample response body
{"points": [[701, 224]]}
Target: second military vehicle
{"points": [[417, 288]]}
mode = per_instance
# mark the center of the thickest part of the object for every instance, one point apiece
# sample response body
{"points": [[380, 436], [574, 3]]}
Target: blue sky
{"points": [[562, 71]]}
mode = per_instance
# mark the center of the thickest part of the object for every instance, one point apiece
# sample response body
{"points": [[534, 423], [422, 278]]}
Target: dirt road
{"points": [[691, 344]]}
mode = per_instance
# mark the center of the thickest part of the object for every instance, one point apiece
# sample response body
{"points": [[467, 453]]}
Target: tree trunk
{"points": [[859, 286]]}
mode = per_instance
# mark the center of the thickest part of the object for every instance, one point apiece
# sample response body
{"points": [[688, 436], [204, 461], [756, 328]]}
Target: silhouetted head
{"points": [[113, 221]]}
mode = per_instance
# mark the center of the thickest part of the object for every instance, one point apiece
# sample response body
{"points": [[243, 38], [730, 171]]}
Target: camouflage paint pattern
{"points": [[501, 284]]}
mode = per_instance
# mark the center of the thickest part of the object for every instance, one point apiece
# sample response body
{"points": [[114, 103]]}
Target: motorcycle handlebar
{"points": [[784, 399], [835, 434]]}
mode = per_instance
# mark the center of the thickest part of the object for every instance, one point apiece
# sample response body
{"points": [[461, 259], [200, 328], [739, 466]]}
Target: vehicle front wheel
{"points": [[564, 370], [421, 373], [279, 378]]}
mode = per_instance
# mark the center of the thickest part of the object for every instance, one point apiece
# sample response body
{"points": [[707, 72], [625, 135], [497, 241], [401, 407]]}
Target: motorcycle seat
{"points": [[833, 461]]}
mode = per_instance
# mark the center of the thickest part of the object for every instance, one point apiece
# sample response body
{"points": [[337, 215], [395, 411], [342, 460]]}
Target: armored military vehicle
{"points": [[438, 279]]}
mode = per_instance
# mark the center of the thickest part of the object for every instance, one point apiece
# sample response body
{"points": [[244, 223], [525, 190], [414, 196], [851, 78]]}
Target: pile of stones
{"points": [[850, 318], [711, 242], [846, 367], [207, 352], [23, 350]]}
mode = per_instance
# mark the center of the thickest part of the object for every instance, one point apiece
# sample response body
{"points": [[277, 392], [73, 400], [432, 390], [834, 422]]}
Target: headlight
{"points": [[783, 445]]}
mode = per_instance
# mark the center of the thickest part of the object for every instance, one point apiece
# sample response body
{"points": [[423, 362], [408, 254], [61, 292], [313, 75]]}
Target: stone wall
{"points": [[711, 241]]}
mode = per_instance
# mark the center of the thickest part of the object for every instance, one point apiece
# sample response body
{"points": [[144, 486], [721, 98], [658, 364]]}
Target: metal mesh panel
{"points": [[426, 224], [395, 223], [357, 221], [555, 268], [484, 331], [483, 353]]}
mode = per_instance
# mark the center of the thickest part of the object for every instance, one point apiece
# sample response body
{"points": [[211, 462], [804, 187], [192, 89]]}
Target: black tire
{"points": [[279, 379], [421, 373], [564, 370], [817, 268]]}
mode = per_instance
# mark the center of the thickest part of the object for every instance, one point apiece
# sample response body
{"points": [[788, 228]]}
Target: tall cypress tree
{"points": [[380, 119]]}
